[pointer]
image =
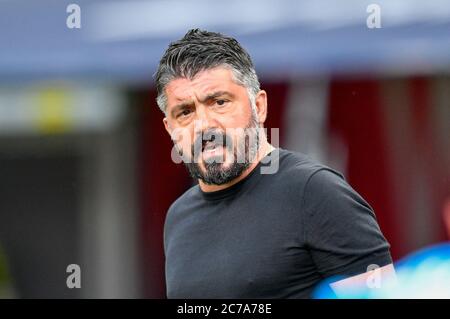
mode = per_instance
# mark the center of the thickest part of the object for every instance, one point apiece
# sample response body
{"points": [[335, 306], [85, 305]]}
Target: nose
{"points": [[203, 120]]}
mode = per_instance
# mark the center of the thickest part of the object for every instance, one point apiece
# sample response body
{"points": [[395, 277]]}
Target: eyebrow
{"points": [[178, 107], [208, 97], [215, 95]]}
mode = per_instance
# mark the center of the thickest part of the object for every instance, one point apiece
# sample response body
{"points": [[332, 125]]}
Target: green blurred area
{"points": [[5, 277], [6, 281]]}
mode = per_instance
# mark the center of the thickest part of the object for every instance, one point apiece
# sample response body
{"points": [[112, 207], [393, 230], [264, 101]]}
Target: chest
{"points": [[236, 251]]}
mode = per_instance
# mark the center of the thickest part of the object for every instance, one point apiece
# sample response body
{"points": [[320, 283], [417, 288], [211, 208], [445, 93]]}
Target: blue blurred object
{"points": [[123, 41], [423, 274]]}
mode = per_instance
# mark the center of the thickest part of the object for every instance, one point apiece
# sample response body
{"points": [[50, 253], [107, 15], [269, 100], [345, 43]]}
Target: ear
{"points": [[167, 126], [261, 106]]}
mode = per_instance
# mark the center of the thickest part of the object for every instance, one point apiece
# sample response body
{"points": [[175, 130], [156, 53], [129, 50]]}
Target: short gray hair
{"points": [[201, 50]]}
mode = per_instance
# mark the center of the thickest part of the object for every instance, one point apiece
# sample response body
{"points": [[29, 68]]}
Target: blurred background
{"points": [[86, 175]]}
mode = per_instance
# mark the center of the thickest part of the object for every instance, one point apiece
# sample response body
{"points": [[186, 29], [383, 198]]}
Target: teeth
{"points": [[209, 146]]}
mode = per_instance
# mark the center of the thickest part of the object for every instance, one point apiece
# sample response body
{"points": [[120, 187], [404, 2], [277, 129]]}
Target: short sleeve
{"points": [[340, 228]]}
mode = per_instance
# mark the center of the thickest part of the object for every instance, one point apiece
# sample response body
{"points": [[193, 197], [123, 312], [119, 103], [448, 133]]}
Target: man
{"points": [[241, 233]]}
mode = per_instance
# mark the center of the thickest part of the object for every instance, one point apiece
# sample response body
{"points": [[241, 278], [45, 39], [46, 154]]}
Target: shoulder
{"points": [[179, 209], [312, 182], [299, 168], [182, 204], [184, 199]]}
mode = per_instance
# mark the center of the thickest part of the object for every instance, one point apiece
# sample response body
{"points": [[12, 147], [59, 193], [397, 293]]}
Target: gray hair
{"points": [[201, 50]]}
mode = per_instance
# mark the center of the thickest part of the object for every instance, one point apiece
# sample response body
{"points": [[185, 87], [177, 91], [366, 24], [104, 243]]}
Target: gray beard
{"points": [[215, 173]]}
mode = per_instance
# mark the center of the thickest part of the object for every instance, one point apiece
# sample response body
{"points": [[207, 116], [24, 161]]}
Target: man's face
{"points": [[208, 118]]}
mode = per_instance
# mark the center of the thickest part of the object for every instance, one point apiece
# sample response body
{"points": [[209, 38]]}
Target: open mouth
{"points": [[212, 144]]}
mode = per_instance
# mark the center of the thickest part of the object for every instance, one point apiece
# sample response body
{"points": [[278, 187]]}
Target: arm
{"points": [[341, 231]]}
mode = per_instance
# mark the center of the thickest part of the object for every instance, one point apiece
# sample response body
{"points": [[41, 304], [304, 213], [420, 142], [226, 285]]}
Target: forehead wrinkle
{"points": [[200, 94], [188, 91]]}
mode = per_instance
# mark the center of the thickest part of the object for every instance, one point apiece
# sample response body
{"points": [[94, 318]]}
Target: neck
{"points": [[265, 149]]}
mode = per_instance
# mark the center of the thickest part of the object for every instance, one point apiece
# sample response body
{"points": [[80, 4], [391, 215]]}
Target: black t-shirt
{"points": [[270, 235]]}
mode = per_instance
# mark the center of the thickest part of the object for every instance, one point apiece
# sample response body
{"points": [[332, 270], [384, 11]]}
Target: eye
{"points": [[184, 112], [221, 102]]}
